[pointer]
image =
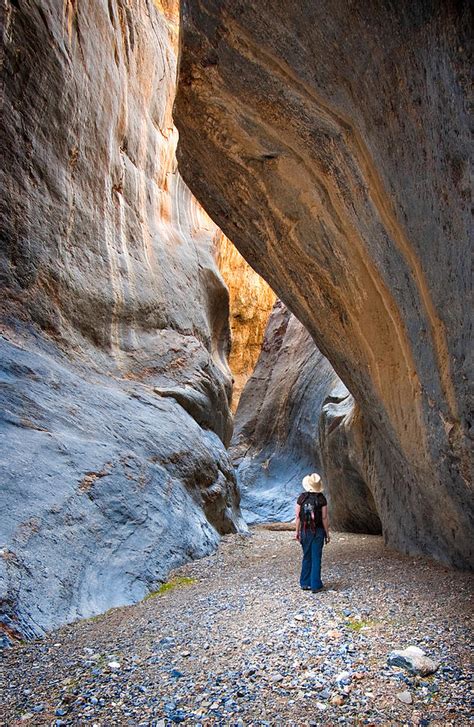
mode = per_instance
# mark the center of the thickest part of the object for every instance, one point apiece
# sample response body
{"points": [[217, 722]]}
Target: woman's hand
{"points": [[327, 538], [297, 536]]}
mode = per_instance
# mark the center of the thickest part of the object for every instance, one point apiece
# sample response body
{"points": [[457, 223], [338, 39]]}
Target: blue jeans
{"points": [[312, 544]]}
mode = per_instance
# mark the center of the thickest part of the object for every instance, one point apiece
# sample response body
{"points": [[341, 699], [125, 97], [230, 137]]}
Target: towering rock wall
{"points": [[275, 440], [251, 302], [331, 147], [292, 420], [114, 335]]}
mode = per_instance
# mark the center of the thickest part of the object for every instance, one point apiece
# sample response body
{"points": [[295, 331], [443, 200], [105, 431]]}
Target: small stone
{"points": [[344, 677], [299, 617], [276, 678], [185, 653], [337, 700], [405, 697], [113, 665]]}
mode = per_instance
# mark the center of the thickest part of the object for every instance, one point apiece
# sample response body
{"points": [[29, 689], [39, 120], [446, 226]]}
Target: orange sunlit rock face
{"points": [[251, 302]]}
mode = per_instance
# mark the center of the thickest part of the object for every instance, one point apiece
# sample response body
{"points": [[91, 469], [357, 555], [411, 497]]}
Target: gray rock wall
{"points": [[275, 440], [331, 147], [114, 382], [294, 418]]}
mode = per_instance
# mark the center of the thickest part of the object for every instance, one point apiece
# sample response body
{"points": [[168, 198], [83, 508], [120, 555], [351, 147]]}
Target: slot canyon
{"points": [[236, 247]]}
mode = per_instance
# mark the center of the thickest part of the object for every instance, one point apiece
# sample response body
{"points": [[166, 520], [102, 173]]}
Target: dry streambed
{"points": [[235, 642]]}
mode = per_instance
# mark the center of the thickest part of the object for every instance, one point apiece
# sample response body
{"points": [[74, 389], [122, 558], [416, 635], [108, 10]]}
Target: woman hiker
{"points": [[312, 531]]}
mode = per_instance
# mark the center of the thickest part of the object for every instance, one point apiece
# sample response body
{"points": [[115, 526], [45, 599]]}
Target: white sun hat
{"points": [[313, 483]]}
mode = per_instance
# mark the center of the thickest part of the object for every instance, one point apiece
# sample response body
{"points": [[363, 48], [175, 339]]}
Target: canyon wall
{"points": [[250, 305], [115, 387], [275, 440], [290, 422], [332, 147]]}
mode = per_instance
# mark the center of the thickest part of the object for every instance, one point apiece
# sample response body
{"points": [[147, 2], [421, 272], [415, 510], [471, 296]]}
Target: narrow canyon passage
{"points": [[187, 329], [236, 643]]}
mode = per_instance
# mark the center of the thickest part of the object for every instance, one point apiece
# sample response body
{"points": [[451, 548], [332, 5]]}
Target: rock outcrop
{"points": [[251, 302], [351, 503], [331, 147], [114, 336]]}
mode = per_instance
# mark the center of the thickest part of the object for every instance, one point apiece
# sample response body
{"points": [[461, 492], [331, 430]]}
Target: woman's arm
{"points": [[324, 513], [298, 523]]}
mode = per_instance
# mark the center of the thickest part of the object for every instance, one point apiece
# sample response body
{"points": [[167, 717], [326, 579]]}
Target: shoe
{"points": [[305, 588], [317, 590]]}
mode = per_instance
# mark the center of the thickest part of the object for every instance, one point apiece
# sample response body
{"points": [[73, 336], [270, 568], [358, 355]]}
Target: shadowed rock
{"points": [[293, 419], [275, 440], [331, 147]]}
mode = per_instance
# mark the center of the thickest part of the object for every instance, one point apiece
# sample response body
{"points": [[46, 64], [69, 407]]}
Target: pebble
{"points": [[405, 697]]}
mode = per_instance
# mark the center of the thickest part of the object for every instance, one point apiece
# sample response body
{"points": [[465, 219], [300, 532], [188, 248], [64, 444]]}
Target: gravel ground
{"points": [[242, 645]]}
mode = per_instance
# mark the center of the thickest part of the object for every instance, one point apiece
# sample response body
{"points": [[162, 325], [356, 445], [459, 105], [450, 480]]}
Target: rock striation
{"points": [[115, 386], [331, 147], [250, 303]]}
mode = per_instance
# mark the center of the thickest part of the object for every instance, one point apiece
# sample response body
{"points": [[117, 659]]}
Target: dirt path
{"points": [[242, 645]]}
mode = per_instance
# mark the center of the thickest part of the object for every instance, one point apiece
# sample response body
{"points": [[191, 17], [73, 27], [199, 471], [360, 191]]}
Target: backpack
{"points": [[310, 511]]}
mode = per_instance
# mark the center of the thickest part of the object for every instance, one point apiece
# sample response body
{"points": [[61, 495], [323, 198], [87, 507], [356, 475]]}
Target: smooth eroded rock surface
{"points": [[332, 147], [352, 506], [276, 439], [296, 416], [114, 383]]}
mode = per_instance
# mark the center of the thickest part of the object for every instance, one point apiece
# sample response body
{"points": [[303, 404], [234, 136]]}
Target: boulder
{"points": [[332, 148]]}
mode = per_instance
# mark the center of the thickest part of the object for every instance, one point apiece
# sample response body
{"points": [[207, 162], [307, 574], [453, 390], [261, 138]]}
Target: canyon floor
{"points": [[233, 641]]}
